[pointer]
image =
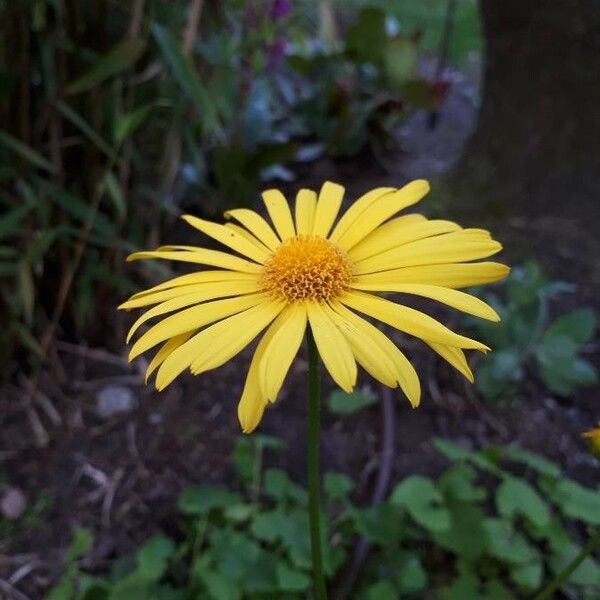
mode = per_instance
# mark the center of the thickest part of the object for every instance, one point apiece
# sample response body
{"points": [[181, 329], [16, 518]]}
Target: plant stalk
{"points": [[549, 590], [314, 400]]}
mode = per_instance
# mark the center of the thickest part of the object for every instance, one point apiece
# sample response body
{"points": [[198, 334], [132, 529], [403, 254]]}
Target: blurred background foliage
{"points": [[117, 116]]}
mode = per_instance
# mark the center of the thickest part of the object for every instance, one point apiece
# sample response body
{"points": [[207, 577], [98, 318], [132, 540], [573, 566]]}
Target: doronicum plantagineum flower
{"points": [[308, 270]]}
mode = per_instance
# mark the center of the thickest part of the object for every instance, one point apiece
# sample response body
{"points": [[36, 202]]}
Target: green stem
{"points": [[313, 466], [566, 572]]}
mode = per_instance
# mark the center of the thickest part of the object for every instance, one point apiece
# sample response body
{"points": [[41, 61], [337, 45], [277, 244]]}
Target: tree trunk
{"points": [[536, 150]]}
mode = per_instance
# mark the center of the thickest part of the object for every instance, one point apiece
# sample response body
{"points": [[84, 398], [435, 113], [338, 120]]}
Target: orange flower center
{"points": [[307, 267]]}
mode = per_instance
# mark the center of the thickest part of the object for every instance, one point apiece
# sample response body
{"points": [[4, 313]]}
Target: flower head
{"points": [[312, 269], [593, 438]]}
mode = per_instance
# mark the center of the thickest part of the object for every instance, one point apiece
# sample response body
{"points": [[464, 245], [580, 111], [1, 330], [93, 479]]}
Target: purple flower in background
{"points": [[275, 53], [279, 9]]}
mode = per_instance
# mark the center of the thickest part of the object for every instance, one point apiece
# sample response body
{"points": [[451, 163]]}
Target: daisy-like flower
{"points": [[593, 438], [305, 270]]}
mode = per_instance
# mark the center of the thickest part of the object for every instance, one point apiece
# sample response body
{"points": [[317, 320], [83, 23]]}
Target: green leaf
{"points": [[10, 222], [412, 577], [515, 496], [366, 39], [337, 486], [466, 585], [458, 483], [466, 536], [119, 58], [84, 214], [399, 60], [382, 524], [80, 544], [24, 151], [533, 461], [341, 403], [152, 557], [586, 574], [506, 544], [454, 452], [382, 590], [115, 193], [202, 499], [424, 502], [578, 325], [498, 374], [239, 513], [187, 77], [127, 124], [577, 502], [529, 576], [72, 115], [291, 580]]}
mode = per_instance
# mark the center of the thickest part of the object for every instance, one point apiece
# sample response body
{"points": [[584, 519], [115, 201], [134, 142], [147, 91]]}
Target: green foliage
{"points": [[526, 338], [450, 537], [341, 403]]}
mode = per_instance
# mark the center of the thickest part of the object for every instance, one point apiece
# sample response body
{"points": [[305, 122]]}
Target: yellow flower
{"points": [[593, 438], [308, 269]]}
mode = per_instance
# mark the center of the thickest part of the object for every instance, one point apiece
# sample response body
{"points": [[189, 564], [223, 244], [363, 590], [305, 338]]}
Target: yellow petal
{"points": [[378, 355], [286, 337], [193, 318], [194, 278], [452, 247], [357, 209], [256, 225], [398, 232], [248, 236], [219, 289], [201, 256], [166, 349], [459, 300], [306, 205], [216, 344], [407, 319], [280, 214], [228, 237], [194, 296], [451, 275], [381, 210], [330, 200], [455, 356], [332, 346]]}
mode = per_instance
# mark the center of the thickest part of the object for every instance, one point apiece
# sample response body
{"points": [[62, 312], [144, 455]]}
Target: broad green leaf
{"points": [[506, 544], [454, 452], [202, 499], [412, 577], [382, 524], [423, 501], [515, 496], [119, 58], [498, 374], [337, 486], [578, 325], [587, 573], [529, 576], [239, 513], [24, 151], [187, 77], [382, 590], [458, 483], [153, 555], [578, 502], [341, 403], [466, 536], [399, 60], [466, 585], [533, 461], [366, 39], [291, 580]]}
